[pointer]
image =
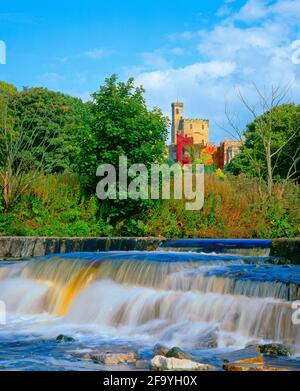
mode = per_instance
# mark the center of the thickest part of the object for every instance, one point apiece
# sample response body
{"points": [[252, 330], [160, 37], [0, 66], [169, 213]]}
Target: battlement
{"points": [[196, 119], [197, 128]]}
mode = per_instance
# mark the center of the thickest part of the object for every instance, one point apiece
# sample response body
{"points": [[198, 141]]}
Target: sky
{"points": [[197, 52]]}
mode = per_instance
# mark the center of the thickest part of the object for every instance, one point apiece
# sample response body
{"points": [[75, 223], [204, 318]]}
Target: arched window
{"points": [[177, 111]]}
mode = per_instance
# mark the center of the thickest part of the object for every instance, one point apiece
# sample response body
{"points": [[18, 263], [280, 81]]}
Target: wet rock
{"points": [[251, 360], [209, 340], [142, 364], [228, 341], [114, 358], [177, 353], [64, 338], [86, 355], [274, 350], [252, 344], [243, 356], [160, 350], [171, 363], [252, 367]]}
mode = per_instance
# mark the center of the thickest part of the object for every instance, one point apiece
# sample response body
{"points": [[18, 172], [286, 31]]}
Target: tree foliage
{"points": [[282, 128], [121, 125], [60, 119]]}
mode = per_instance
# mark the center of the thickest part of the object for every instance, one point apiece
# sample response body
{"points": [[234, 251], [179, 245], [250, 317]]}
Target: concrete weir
{"points": [[27, 247], [12, 247]]}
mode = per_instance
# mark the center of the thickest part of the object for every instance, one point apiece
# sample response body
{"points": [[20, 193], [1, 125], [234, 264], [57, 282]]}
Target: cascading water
{"points": [[200, 302]]}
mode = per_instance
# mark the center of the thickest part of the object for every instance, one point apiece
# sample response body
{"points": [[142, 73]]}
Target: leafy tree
{"points": [[121, 125], [271, 142], [7, 89], [58, 119], [19, 162]]}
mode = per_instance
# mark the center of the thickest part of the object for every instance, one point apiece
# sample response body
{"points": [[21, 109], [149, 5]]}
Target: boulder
{"points": [[160, 350], [247, 355], [171, 363], [274, 350], [142, 364], [234, 367], [210, 340], [114, 358], [86, 355], [177, 353], [64, 338]]}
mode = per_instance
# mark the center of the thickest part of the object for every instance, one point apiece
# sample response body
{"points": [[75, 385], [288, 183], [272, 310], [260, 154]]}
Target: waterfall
{"points": [[170, 297]]}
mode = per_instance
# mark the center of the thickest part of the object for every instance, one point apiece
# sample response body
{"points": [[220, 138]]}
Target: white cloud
{"points": [[190, 74], [96, 53], [51, 78], [254, 44], [155, 59], [183, 36], [255, 10], [177, 51], [224, 10]]}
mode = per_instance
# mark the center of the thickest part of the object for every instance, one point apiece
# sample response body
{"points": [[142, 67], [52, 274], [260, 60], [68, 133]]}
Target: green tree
{"points": [[59, 119], [121, 125], [271, 142], [7, 89]]}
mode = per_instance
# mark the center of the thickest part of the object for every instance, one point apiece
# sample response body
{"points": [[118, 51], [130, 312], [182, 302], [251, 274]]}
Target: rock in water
{"points": [[160, 350], [177, 353], [64, 338], [114, 358], [81, 354], [252, 367], [247, 355], [171, 363], [210, 340], [142, 364], [274, 350]]}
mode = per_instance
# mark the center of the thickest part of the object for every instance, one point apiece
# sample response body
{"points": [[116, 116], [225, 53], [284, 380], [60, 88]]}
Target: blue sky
{"points": [[196, 51]]}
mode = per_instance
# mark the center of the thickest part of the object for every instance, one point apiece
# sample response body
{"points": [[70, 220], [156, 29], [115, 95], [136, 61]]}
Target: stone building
{"points": [[196, 128], [187, 132], [231, 148]]}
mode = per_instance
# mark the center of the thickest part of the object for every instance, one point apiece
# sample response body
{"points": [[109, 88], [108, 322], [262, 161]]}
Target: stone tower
{"points": [[196, 128], [177, 117]]}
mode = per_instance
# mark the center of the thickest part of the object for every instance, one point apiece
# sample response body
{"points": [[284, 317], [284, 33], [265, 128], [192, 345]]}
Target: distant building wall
{"points": [[231, 149], [197, 132], [198, 129]]}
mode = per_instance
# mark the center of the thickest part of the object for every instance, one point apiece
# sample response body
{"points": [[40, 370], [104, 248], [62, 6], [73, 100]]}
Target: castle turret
{"points": [[177, 116]]}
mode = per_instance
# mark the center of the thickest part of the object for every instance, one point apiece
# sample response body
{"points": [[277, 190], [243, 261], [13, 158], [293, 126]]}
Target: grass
{"points": [[54, 205]]}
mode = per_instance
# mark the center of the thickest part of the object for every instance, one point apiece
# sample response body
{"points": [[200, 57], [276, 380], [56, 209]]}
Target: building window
{"points": [[177, 111], [202, 127], [191, 126]]}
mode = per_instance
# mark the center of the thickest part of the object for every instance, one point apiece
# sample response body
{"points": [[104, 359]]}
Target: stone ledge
{"points": [[18, 247], [286, 248], [27, 246]]}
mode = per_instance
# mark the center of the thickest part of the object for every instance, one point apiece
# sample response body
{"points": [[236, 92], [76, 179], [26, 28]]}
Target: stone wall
{"points": [[286, 248], [24, 247]]}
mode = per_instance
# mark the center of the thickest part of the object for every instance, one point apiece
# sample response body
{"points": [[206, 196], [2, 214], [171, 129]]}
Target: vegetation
{"points": [[271, 150], [51, 145]]}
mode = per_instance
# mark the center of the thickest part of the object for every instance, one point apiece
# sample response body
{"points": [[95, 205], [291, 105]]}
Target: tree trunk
{"points": [[269, 167], [7, 187]]}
